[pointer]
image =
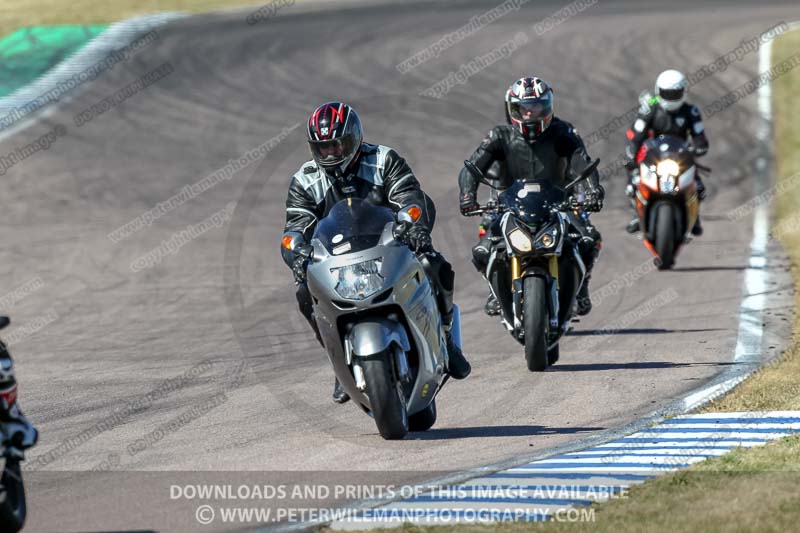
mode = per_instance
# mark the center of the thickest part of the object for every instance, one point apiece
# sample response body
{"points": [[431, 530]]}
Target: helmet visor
{"points": [[333, 152], [671, 95], [531, 111]]}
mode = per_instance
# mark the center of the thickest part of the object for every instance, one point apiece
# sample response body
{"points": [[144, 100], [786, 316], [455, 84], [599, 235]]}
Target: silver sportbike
{"points": [[377, 315]]}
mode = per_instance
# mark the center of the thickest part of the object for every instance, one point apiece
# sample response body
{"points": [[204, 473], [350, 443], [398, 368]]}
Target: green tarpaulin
{"points": [[28, 53]]}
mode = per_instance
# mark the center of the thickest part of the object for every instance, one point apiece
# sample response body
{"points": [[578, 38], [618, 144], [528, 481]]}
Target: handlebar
{"points": [[490, 207], [493, 207], [702, 168], [401, 229]]}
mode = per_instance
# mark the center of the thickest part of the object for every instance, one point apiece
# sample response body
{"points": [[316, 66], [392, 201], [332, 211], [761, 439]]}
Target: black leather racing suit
{"points": [[380, 174], [558, 154], [652, 121]]}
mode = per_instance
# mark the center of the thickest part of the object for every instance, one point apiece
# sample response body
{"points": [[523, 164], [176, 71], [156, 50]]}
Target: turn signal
{"points": [[286, 242]]}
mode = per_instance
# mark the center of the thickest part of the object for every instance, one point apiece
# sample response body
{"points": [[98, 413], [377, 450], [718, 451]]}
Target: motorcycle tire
{"points": [[423, 420], [536, 322], [665, 236], [386, 398]]}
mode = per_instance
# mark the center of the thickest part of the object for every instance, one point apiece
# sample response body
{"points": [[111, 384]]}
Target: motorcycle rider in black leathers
{"points": [[17, 432], [665, 113], [535, 144], [343, 166]]}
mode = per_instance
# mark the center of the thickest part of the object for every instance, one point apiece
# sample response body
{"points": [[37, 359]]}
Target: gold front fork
{"points": [[554, 267], [516, 273], [515, 270]]}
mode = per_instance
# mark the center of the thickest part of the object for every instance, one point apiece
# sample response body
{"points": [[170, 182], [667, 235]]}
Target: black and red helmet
{"points": [[334, 135], [529, 106]]}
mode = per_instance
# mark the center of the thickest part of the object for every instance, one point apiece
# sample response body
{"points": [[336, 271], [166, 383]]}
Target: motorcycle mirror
{"points": [[304, 251], [4, 321], [477, 174], [585, 174]]}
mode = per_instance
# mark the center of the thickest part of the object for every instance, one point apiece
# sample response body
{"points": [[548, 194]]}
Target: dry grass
{"points": [[777, 387]]}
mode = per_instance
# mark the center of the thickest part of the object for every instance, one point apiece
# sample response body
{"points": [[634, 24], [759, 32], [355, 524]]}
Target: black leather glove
{"points": [[594, 199], [419, 238], [593, 202], [468, 203], [300, 263]]}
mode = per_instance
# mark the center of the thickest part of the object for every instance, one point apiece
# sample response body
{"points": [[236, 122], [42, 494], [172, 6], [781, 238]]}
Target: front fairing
{"points": [[666, 151], [531, 201], [351, 226], [405, 297]]}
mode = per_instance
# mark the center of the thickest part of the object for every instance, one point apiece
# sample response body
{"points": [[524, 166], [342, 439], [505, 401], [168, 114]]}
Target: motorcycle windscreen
{"points": [[531, 201], [667, 147], [352, 225]]}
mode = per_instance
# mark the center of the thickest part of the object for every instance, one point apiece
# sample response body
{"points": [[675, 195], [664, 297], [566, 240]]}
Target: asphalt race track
{"points": [[218, 316]]}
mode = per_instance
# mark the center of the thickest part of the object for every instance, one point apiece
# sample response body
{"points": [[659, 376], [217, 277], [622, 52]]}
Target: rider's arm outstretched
{"points": [[489, 151], [570, 146]]}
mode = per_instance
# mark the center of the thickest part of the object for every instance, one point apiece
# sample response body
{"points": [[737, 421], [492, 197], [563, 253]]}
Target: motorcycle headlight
{"points": [[667, 168], [358, 281], [520, 241], [548, 239]]}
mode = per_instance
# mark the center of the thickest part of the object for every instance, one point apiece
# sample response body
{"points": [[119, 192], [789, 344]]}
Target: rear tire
{"points": [[423, 420], [665, 236], [386, 397], [553, 355], [12, 509], [536, 322]]}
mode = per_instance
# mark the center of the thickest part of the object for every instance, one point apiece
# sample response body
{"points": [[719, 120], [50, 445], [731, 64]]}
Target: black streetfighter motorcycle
{"points": [[535, 269]]}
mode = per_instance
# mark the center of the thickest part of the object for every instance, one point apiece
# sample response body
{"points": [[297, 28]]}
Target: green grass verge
{"points": [[756, 489]]}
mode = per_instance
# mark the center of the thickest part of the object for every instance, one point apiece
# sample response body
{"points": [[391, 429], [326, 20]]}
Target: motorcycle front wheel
{"points": [[665, 236], [536, 322], [386, 396]]}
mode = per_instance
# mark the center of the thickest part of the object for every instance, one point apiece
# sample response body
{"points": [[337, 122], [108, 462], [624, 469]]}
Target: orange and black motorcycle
{"points": [[666, 196]]}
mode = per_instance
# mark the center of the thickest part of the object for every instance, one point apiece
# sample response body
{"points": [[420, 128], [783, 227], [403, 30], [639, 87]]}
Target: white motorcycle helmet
{"points": [[671, 89]]}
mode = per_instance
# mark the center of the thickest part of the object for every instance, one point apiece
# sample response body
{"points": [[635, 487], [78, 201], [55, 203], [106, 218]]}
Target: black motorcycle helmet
{"points": [[529, 107], [334, 135]]}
